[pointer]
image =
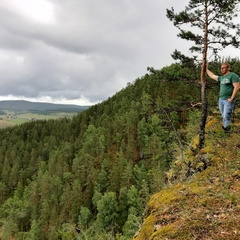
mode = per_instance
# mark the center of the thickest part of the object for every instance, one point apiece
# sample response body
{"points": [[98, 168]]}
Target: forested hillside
{"points": [[90, 177]]}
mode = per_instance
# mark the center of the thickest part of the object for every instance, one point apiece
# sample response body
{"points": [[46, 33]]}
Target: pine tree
{"points": [[107, 212], [212, 28]]}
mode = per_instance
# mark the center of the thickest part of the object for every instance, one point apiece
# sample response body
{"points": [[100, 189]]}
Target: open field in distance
{"points": [[11, 118]]}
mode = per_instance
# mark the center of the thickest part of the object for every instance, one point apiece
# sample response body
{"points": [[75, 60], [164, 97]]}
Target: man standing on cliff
{"points": [[229, 87]]}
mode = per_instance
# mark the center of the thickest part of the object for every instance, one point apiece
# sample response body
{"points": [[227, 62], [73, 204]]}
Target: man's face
{"points": [[224, 69]]}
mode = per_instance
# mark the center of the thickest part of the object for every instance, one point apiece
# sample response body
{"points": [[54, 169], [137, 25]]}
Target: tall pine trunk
{"points": [[203, 116], [203, 83]]}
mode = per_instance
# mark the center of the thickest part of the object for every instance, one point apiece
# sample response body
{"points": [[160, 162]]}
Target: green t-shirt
{"points": [[226, 85]]}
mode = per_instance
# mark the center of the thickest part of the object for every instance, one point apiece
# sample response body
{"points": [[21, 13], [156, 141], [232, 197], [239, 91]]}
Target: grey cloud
{"points": [[93, 49]]}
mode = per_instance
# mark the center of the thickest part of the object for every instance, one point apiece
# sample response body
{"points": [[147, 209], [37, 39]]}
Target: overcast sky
{"points": [[82, 51]]}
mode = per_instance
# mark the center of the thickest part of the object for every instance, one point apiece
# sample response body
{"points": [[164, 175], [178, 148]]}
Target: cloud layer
{"points": [[80, 51]]}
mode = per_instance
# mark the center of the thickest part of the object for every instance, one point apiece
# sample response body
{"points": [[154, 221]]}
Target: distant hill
{"points": [[22, 105]]}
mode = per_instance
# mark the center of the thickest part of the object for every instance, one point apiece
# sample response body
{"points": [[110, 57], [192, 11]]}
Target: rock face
{"points": [[205, 205]]}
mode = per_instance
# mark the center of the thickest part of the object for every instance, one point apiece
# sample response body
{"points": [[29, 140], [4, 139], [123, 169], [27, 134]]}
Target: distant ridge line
{"points": [[23, 105]]}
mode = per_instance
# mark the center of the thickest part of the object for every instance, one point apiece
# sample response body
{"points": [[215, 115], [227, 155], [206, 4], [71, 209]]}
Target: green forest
{"points": [[90, 176]]}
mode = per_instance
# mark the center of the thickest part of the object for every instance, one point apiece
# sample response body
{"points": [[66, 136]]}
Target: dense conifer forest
{"points": [[91, 176]]}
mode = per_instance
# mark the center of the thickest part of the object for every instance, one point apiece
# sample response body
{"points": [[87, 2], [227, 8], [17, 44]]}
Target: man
{"points": [[229, 86]]}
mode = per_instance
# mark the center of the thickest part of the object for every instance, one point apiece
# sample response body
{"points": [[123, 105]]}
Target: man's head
{"points": [[225, 68]]}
